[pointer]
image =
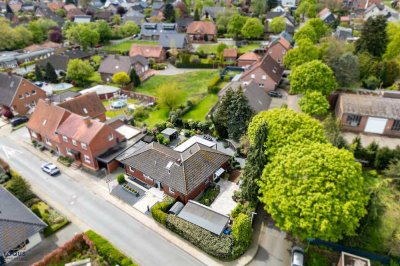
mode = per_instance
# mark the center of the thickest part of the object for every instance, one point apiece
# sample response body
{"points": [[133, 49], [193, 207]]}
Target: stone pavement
{"points": [[100, 188]]}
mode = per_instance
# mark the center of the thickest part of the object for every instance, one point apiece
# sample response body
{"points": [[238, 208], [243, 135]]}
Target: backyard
{"points": [[124, 47], [116, 112], [212, 48]]}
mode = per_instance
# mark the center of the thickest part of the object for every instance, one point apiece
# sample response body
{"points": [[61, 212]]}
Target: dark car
{"points": [[274, 94], [207, 137], [18, 120]]}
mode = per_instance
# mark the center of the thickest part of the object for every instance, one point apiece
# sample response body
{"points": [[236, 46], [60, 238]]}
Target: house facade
{"points": [[18, 94], [140, 64], [369, 114], [278, 49], [182, 175]]}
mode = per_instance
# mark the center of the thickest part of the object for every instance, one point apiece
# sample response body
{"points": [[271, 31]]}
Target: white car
{"points": [[297, 256], [50, 169]]}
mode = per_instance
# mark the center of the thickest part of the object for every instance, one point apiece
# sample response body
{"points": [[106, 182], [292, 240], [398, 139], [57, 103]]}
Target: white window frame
{"points": [[74, 142], [264, 77], [171, 190], [48, 142], [65, 138], [131, 169], [111, 137], [87, 158], [27, 94], [68, 151], [21, 96], [33, 92], [84, 146], [253, 76]]}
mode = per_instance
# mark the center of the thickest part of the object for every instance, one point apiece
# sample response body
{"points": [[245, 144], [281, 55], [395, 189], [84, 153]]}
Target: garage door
{"points": [[375, 125]]}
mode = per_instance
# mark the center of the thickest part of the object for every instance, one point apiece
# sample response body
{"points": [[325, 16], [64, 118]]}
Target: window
{"points": [[253, 76], [261, 85], [34, 134], [21, 96], [44, 122], [27, 94], [206, 182], [111, 137], [65, 139], [68, 151], [48, 142], [85, 111], [84, 146], [87, 159], [131, 169], [171, 190], [353, 120], [33, 92], [74, 142], [396, 125], [264, 77]]}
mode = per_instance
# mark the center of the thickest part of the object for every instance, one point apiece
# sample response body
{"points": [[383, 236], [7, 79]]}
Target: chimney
{"points": [[87, 120]]}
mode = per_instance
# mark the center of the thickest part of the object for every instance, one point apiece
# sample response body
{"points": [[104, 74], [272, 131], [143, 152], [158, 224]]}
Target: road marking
{"points": [[10, 152]]}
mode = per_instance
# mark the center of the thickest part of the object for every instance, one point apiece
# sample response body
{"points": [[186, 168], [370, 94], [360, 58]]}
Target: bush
{"points": [[159, 210], [371, 83], [242, 232], [217, 246], [121, 179], [105, 249], [210, 194], [19, 187], [212, 85], [159, 66], [32, 202], [237, 210]]}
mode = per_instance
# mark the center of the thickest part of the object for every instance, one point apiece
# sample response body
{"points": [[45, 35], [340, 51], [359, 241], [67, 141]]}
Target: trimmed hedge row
{"points": [[193, 65], [217, 246], [159, 210], [106, 250]]}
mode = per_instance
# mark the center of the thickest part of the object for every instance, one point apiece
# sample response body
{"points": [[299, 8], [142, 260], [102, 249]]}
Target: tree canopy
{"points": [[306, 8], [306, 32], [305, 51], [393, 47], [277, 25], [373, 37], [258, 6], [320, 195], [83, 34], [235, 24], [169, 96], [314, 103], [252, 29], [346, 69], [169, 13], [121, 78], [285, 127], [80, 71], [312, 76]]}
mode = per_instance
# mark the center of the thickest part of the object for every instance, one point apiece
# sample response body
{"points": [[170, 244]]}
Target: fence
{"points": [[337, 247], [139, 96]]}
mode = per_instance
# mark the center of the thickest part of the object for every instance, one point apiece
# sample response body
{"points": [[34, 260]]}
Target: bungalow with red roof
{"points": [[156, 53], [248, 59], [230, 54], [202, 31]]}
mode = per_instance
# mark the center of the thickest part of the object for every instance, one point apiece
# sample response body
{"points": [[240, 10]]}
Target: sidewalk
{"points": [[99, 187]]}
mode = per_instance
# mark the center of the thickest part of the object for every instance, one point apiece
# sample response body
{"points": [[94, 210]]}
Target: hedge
{"points": [[217, 246], [193, 65], [159, 210], [106, 250]]}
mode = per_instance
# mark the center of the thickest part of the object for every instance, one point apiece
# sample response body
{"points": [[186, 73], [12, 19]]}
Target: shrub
{"points": [[121, 179], [19, 187], [212, 85], [237, 210], [209, 195], [105, 249], [217, 246], [242, 232], [31, 202], [159, 210]]}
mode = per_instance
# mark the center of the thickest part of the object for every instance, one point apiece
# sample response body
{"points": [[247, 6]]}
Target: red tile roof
{"points": [[85, 105], [146, 51], [36, 47], [55, 6], [230, 52], [202, 27], [250, 56]]}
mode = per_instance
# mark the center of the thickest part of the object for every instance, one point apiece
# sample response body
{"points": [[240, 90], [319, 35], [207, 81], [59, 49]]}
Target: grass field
{"points": [[156, 116], [248, 48], [212, 48], [126, 46], [199, 112]]}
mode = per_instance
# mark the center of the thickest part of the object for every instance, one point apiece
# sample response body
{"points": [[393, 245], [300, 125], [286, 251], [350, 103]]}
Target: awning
{"points": [[219, 172]]}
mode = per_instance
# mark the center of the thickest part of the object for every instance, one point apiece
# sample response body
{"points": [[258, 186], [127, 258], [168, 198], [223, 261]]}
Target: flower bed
{"points": [[51, 217], [130, 189], [65, 161], [209, 195]]}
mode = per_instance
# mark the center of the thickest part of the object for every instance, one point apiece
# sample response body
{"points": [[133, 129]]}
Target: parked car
{"points": [[207, 137], [18, 120], [297, 256], [50, 169], [274, 94], [39, 84]]}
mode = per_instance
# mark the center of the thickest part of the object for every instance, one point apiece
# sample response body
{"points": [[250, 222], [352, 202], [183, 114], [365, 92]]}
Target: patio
{"points": [[224, 203], [126, 196]]}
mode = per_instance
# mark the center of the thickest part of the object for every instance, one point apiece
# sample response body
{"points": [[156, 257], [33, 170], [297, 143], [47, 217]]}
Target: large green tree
{"points": [[346, 69], [252, 29], [169, 96], [314, 190], [314, 103], [51, 75], [306, 8], [306, 32], [393, 47], [286, 127], [169, 13], [103, 30], [373, 37], [277, 25], [83, 34], [79, 71], [121, 78], [258, 7], [235, 24], [255, 163], [312, 76], [320, 28], [38, 73], [305, 51]]}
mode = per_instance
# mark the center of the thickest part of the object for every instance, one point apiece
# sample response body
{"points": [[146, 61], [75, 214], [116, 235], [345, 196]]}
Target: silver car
{"points": [[297, 256], [50, 169]]}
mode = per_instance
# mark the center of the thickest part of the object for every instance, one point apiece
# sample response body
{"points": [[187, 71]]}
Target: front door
{"points": [[158, 185]]}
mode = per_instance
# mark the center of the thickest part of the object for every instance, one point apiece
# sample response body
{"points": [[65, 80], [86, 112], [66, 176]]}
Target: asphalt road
{"points": [[92, 211]]}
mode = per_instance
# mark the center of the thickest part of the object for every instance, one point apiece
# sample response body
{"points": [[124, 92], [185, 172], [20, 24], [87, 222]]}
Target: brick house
{"points": [[68, 134], [202, 31], [87, 105], [369, 114], [18, 94], [230, 54], [248, 59], [113, 64], [278, 49], [157, 53], [179, 174], [267, 74]]}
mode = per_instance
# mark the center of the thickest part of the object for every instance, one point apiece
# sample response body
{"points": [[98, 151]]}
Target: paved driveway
{"points": [[367, 139], [224, 202]]}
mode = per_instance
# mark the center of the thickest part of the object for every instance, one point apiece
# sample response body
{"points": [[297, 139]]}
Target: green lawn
{"points": [[212, 48], [248, 48], [200, 111], [126, 46], [156, 116]]}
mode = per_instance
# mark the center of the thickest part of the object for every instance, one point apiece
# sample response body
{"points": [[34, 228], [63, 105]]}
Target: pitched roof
{"points": [[55, 5], [8, 87], [213, 11], [58, 61], [46, 119], [154, 29], [173, 40], [74, 12], [77, 54], [36, 47], [257, 97], [269, 66], [202, 27], [139, 59], [17, 222], [58, 98], [47, 13], [182, 171], [146, 51], [249, 56], [103, 14], [85, 105], [115, 63], [230, 52], [69, 7], [370, 105], [324, 13], [282, 41]]}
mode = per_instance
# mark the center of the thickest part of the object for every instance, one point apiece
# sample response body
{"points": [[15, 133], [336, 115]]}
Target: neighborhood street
{"points": [[88, 210]]}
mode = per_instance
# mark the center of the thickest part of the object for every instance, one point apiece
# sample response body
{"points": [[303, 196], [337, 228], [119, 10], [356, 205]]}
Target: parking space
{"points": [[224, 202]]}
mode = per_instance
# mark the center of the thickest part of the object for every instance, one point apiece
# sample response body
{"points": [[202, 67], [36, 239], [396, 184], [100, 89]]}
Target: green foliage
{"points": [[13, 38], [393, 47], [314, 103], [39, 28], [38, 73], [286, 127], [217, 246], [104, 31], [106, 250], [319, 27], [374, 37], [209, 195], [121, 78], [305, 51], [135, 78], [159, 210], [83, 34], [346, 69], [116, 19], [316, 259], [306, 8], [51, 75], [95, 61], [258, 6], [213, 84], [80, 71], [169, 13], [320, 195], [121, 179], [371, 83], [306, 32], [235, 24], [393, 169], [332, 131], [162, 140], [312, 76], [252, 29], [169, 96], [277, 25], [19, 187], [242, 232], [196, 15]]}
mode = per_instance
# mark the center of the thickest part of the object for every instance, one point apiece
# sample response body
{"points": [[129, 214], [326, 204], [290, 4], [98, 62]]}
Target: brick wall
{"points": [[24, 97], [269, 84]]}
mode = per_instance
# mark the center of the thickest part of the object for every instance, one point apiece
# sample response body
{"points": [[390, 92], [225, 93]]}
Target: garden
{"points": [[212, 48], [124, 47]]}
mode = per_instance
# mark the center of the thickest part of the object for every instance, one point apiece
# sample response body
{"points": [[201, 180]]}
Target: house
{"points": [[347, 259], [104, 15], [211, 12], [369, 114], [3, 7], [289, 21], [156, 53], [278, 48], [64, 96], [87, 105], [45, 12], [248, 59], [20, 227], [15, 7], [381, 10], [287, 36], [134, 16], [80, 19], [139, 6], [152, 31], [113, 64], [183, 23], [103, 91], [202, 31], [289, 3], [326, 16], [77, 54], [71, 13], [343, 33], [267, 74], [58, 61], [359, 6], [18, 94], [182, 175], [140, 64], [230, 54], [54, 6], [278, 8], [173, 40], [69, 7], [170, 133]]}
